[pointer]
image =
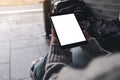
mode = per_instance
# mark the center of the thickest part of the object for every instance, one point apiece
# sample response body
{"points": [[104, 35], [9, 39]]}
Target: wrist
{"points": [[54, 40]]}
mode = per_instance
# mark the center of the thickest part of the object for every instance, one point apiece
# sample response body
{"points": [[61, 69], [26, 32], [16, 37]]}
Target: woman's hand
{"points": [[87, 35], [54, 39]]}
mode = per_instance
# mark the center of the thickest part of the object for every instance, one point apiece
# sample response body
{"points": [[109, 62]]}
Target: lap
{"points": [[80, 58]]}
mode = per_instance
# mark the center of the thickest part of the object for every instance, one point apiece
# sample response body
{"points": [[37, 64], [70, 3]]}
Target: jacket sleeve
{"points": [[94, 49], [56, 59], [57, 54]]}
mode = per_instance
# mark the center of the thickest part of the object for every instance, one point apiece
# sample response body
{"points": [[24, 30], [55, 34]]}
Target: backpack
{"points": [[80, 9], [107, 32]]}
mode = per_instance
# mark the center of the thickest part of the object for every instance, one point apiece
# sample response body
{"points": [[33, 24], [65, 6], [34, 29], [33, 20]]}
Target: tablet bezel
{"points": [[72, 44]]}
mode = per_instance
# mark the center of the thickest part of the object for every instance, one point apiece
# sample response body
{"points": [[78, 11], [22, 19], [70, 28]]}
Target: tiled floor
{"points": [[22, 39]]}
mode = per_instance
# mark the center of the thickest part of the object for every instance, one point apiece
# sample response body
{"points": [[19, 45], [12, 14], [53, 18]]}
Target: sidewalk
{"points": [[18, 8], [22, 39]]}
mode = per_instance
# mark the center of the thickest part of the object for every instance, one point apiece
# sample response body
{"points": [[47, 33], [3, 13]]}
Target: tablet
{"points": [[68, 30]]}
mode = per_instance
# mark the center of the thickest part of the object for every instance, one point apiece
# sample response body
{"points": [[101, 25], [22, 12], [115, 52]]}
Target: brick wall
{"points": [[108, 9]]}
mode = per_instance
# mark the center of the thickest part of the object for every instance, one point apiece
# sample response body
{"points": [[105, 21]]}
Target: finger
{"points": [[53, 32], [86, 34]]}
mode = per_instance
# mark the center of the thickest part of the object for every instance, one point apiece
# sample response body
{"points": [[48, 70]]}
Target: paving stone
{"points": [[27, 79], [21, 26], [28, 43], [21, 32], [4, 52], [26, 19], [21, 60], [44, 49], [4, 71]]}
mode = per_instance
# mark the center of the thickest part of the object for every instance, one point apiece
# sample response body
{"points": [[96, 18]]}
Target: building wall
{"points": [[18, 2], [108, 9]]}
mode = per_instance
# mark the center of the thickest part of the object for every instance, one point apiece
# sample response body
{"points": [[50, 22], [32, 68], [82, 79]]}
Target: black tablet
{"points": [[68, 30]]}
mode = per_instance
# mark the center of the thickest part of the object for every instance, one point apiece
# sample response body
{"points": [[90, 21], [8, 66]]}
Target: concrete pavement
{"points": [[22, 39]]}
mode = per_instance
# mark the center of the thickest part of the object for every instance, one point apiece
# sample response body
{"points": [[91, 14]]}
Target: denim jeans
{"points": [[79, 60], [39, 69]]}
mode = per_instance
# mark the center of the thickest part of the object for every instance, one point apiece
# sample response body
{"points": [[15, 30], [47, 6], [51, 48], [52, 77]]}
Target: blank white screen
{"points": [[68, 29]]}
